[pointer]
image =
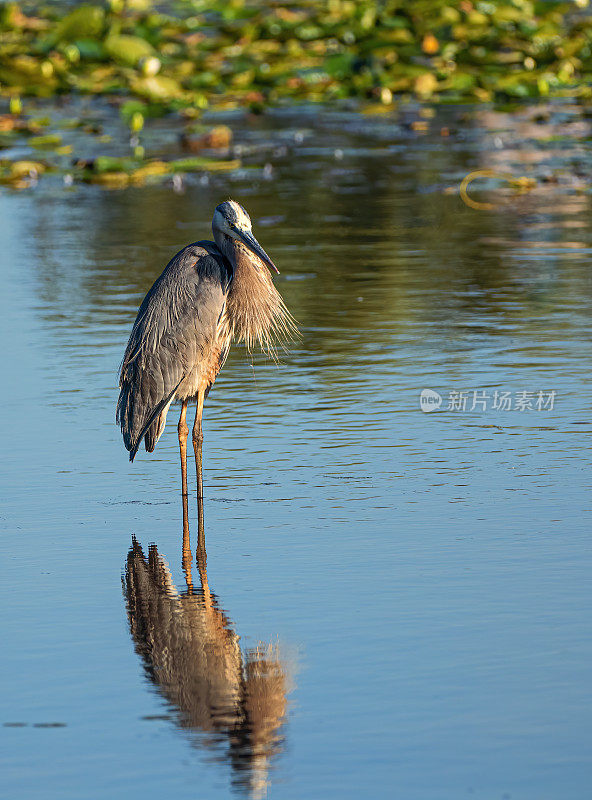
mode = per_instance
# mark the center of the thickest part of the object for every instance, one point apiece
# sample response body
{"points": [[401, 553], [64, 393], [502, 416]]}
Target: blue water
{"points": [[421, 579]]}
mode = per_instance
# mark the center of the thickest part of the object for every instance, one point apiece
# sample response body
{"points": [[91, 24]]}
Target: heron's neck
{"points": [[238, 255], [255, 308]]}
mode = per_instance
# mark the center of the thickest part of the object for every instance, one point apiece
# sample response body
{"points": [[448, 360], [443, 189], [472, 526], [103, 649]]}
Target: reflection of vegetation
{"points": [[229, 52]]}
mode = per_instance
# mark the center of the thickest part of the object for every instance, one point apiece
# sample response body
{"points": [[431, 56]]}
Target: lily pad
{"points": [[20, 174], [86, 21], [47, 141], [128, 50], [198, 164], [157, 88]]}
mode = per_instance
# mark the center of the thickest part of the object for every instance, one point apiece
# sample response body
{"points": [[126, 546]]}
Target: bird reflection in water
{"points": [[236, 700]]}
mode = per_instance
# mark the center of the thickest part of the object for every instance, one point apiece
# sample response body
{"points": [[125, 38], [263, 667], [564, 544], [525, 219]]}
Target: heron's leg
{"points": [[183, 430], [197, 443], [200, 554]]}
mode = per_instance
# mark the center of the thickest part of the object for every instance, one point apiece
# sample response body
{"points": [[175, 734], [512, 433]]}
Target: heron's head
{"points": [[231, 221]]}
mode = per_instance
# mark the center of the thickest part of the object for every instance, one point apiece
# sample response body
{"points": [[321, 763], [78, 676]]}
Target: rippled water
{"points": [[397, 602]]}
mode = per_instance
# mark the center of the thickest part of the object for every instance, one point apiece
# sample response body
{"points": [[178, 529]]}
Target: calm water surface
{"points": [[397, 603]]}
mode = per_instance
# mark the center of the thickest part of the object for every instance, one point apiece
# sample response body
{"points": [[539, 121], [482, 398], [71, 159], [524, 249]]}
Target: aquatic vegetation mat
{"points": [[135, 62], [192, 54]]}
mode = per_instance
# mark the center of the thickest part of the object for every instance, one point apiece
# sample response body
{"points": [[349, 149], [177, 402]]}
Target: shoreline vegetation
{"points": [[193, 56]]}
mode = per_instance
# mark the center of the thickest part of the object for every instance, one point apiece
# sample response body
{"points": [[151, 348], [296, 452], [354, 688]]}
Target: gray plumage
{"points": [[208, 293], [175, 327]]}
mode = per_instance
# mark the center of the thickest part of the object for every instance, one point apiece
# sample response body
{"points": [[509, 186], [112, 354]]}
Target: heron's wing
{"points": [[175, 324]]}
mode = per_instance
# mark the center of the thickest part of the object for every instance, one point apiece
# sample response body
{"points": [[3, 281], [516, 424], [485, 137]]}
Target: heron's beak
{"points": [[249, 240]]}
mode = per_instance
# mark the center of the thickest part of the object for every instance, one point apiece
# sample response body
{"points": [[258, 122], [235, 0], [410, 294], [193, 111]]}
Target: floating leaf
{"points": [[90, 49], [425, 85], [198, 164], [46, 141], [111, 164], [21, 174], [136, 122], [86, 21], [20, 169], [157, 88], [338, 66], [16, 105], [129, 50], [154, 169], [111, 180]]}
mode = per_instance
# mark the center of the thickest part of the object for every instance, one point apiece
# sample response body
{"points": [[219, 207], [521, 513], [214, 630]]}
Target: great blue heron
{"points": [[209, 294]]}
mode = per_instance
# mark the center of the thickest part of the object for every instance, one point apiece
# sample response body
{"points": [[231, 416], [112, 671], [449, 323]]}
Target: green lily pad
{"points": [[157, 88], [90, 49], [19, 172], [199, 164], [84, 22], [128, 50], [112, 164], [47, 141]]}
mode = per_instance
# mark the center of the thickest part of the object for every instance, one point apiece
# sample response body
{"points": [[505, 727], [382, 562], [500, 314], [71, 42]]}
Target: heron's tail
{"points": [[138, 421], [125, 417], [155, 430]]}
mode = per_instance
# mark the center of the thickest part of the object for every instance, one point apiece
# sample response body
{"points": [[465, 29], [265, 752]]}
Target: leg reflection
{"points": [[186, 559], [200, 552]]}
